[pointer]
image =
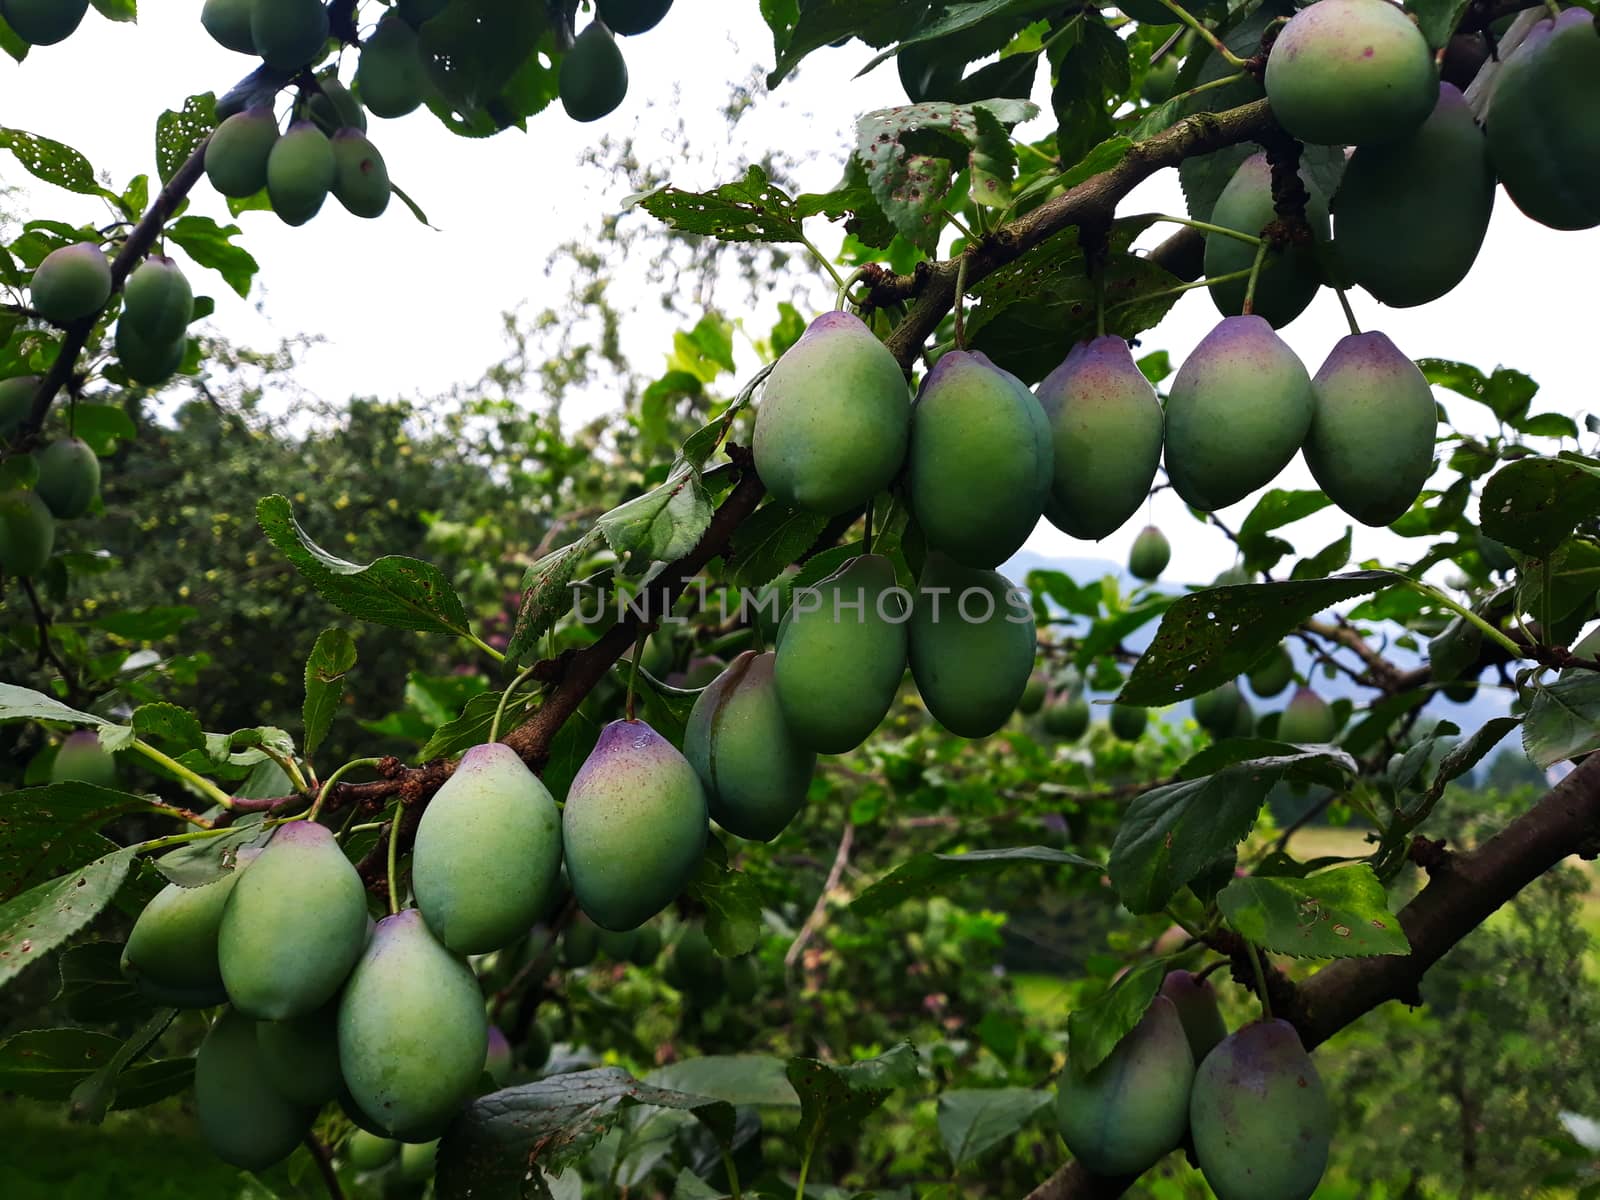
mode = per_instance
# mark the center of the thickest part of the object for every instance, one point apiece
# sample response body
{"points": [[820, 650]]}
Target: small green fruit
{"points": [[334, 107], [82, 759], [1196, 1003], [742, 979], [1066, 717], [487, 853], [417, 1161], [646, 946], [580, 942], [630, 17], [413, 1037], [1259, 1117], [157, 300], [754, 771], [972, 643], [27, 533], [415, 12], [834, 419], [43, 22], [1351, 73], [390, 78], [301, 170], [842, 655], [1106, 425], [634, 826], [228, 22], [294, 926], [71, 283], [1132, 1108], [1216, 711], [1150, 554], [288, 34], [594, 78], [1289, 278], [236, 155], [1273, 673], [146, 362], [536, 1049], [1032, 698], [361, 181], [172, 952], [696, 966], [367, 1151], [1240, 407], [300, 1056], [1307, 720], [979, 467], [1129, 723], [69, 477], [16, 402], [245, 1121]]}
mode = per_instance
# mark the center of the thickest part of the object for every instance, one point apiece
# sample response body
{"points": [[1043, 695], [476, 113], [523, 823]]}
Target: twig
{"points": [[324, 1160], [819, 910]]}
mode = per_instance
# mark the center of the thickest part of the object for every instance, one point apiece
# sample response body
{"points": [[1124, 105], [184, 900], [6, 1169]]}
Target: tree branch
{"points": [[1463, 890]]}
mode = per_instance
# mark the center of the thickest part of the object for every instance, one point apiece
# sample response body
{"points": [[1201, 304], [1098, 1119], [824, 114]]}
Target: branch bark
{"points": [[1463, 890]]}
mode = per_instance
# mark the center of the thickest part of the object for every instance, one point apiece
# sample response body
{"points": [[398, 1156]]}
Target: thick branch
{"points": [[1463, 890], [1092, 199]]}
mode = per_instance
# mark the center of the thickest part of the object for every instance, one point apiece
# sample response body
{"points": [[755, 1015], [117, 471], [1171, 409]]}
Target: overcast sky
{"points": [[408, 310]]}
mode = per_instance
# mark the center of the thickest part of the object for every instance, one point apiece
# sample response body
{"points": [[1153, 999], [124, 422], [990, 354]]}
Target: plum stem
{"points": [[822, 258], [1261, 978], [1242, 273], [961, 303], [866, 533], [327, 789], [1202, 226], [633, 670], [1249, 306], [208, 789], [394, 855], [505, 697], [484, 646], [1349, 313], [1211, 39], [1466, 614], [843, 294]]}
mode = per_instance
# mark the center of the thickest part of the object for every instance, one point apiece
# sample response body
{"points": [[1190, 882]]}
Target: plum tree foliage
{"points": [[586, 880]]}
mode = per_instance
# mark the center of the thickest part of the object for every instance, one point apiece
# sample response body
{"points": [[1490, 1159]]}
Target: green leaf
{"points": [[1564, 719], [546, 596], [147, 624], [46, 831], [40, 919], [202, 863], [732, 904], [1094, 68], [1332, 557], [835, 1100], [1275, 509], [103, 426], [403, 593], [796, 32], [752, 210], [471, 727], [662, 525], [489, 1149], [568, 753], [739, 1079], [117, 10], [169, 723], [1506, 393], [774, 536], [925, 873], [972, 1120], [1094, 1030], [1469, 752], [1550, 425], [180, 132], [1342, 913], [1169, 834], [54, 162], [25, 704], [93, 987], [211, 245], [331, 659], [47, 1064], [92, 1098], [910, 184], [1533, 504], [1210, 637], [1437, 19]]}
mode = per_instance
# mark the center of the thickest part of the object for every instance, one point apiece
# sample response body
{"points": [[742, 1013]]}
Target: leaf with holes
{"points": [[993, 161], [1210, 637], [1506, 393], [925, 873], [835, 1100], [487, 1151], [41, 918], [1564, 719], [179, 133], [752, 210], [45, 831], [1094, 1030], [1342, 913], [403, 593], [1533, 504], [1171, 833], [547, 596], [663, 524], [54, 162], [972, 1120], [911, 154]]}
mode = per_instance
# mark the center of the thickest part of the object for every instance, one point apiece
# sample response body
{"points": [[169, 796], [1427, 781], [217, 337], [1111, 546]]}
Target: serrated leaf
{"points": [[117, 10], [739, 1079], [211, 245], [179, 132], [547, 596], [923, 874], [993, 161], [202, 863], [403, 593], [103, 426], [25, 704], [1210, 637], [732, 904], [330, 660], [820, 22], [1564, 719], [40, 919], [972, 1120], [1169, 834], [1094, 1030], [92, 1098], [1533, 504], [752, 210], [834, 1100], [169, 723], [489, 1149], [45, 831], [1469, 752], [47, 1064], [93, 987], [662, 525], [774, 536], [1342, 913], [54, 162]]}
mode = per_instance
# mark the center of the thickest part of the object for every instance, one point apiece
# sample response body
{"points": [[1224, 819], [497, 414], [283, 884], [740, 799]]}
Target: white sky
{"points": [[406, 310]]}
